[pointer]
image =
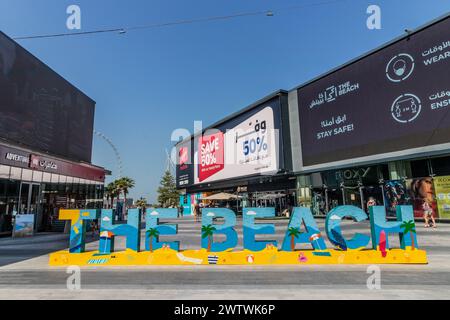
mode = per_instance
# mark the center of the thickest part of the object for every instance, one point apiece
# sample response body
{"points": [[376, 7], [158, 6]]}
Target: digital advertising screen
{"points": [[395, 99], [184, 167], [246, 145], [41, 110]]}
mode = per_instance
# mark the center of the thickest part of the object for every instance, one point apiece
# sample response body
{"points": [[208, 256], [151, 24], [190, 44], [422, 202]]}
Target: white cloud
{"points": [[106, 219], [335, 217], [210, 214], [251, 213], [154, 213]]}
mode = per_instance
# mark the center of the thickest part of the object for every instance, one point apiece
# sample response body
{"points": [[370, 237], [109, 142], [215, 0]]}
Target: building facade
{"points": [[375, 130], [46, 134]]}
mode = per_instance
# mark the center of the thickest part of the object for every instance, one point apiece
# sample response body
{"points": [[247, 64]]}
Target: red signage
{"points": [[183, 156], [211, 155]]}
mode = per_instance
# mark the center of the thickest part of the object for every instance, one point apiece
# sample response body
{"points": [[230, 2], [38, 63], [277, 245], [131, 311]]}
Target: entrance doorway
{"points": [[374, 194], [333, 198], [29, 199], [352, 196]]}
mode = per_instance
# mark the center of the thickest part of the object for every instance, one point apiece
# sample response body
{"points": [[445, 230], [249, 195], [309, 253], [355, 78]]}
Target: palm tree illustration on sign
{"points": [[293, 233], [152, 233], [409, 227], [207, 232]]}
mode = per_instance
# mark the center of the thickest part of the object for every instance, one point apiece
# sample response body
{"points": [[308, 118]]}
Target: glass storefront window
{"points": [[420, 168], [4, 172], [441, 166]]}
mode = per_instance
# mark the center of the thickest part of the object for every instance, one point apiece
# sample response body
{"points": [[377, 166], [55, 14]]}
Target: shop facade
{"points": [[418, 182], [38, 185], [374, 131], [46, 136]]}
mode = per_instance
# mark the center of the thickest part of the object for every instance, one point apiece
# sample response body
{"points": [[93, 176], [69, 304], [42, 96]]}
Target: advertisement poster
{"points": [[395, 194], [395, 99], [184, 170], [24, 225], [211, 155], [442, 189], [421, 191], [246, 149], [245, 145]]}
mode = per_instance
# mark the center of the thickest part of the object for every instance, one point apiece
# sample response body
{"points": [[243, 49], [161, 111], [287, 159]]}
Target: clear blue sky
{"points": [[147, 83]]}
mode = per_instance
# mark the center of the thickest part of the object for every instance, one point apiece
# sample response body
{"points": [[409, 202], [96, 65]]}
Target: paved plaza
{"points": [[25, 274]]}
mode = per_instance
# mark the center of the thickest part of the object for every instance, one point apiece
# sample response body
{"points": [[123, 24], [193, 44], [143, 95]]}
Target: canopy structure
{"points": [[222, 196], [271, 196]]}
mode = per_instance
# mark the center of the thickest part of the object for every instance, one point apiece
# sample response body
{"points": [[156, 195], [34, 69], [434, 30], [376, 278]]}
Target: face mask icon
{"points": [[400, 67]]}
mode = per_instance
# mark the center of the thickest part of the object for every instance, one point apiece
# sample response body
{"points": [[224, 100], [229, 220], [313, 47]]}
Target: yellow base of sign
{"points": [[269, 256]]}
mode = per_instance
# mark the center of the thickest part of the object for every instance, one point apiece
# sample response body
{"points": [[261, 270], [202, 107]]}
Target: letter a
{"points": [[74, 20], [374, 20]]}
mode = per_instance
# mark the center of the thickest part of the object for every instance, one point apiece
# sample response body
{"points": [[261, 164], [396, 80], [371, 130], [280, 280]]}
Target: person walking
{"points": [[196, 212], [181, 211], [428, 215]]}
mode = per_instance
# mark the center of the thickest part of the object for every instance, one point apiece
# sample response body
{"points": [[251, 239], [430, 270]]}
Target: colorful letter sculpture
{"points": [[153, 230], [78, 220], [209, 229], [404, 227], [108, 231], [221, 223], [294, 235], [333, 227], [251, 229]]}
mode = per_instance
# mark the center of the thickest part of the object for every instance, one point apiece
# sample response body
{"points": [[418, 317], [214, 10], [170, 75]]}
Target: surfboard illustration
{"points": [[382, 244], [338, 240]]}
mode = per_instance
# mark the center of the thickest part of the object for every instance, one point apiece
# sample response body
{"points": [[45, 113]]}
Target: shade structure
{"points": [[271, 196], [222, 196]]}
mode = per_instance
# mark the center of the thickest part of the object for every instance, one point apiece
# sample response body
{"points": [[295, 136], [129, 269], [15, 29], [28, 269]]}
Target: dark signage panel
{"points": [[40, 109], [395, 99]]}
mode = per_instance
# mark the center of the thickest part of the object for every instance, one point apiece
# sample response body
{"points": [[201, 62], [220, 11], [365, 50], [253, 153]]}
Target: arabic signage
{"points": [[243, 146], [395, 99], [46, 165], [302, 229]]}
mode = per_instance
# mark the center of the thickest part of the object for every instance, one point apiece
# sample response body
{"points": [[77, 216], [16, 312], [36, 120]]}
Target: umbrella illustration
{"points": [[315, 239], [106, 236]]}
